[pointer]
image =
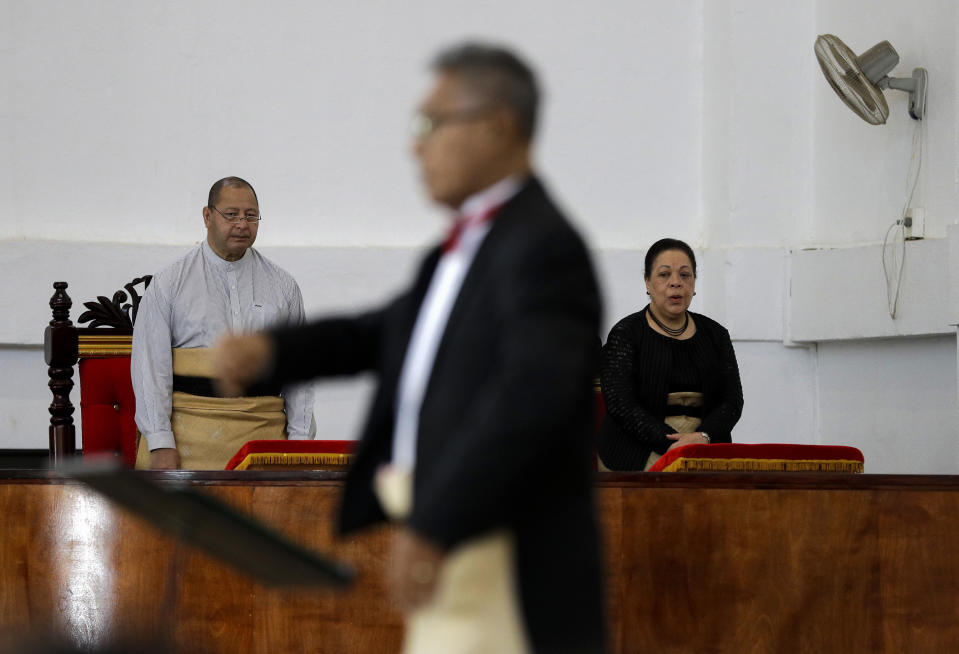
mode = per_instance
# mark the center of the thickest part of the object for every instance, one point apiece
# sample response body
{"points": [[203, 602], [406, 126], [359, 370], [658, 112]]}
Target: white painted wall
{"points": [[119, 118], [758, 72], [706, 120], [786, 166], [894, 400]]}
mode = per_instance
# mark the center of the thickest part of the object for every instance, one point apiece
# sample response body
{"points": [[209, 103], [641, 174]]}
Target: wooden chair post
{"points": [[60, 354]]}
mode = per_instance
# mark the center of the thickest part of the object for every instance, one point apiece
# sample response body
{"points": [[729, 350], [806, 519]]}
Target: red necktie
{"points": [[462, 222]]}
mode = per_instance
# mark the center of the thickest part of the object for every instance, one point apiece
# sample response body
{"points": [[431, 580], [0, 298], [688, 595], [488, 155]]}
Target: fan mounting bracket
{"points": [[915, 86]]}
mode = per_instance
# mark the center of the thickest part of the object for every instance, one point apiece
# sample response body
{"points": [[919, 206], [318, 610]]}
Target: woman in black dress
{"points": [[669, 376]]}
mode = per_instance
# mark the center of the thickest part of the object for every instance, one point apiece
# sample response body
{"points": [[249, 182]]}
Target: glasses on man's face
{"points": [[425, 124], [236, 216]]}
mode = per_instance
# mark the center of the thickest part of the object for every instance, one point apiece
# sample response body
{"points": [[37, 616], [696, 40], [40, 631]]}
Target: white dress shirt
{"points": [[434, 314], [190, 304]]}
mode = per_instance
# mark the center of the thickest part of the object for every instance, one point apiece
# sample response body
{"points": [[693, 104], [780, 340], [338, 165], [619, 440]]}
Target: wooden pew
{"points": [[722, 562]]}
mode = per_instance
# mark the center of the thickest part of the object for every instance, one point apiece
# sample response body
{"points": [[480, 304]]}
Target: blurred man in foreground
{"points": [[478, 439]]}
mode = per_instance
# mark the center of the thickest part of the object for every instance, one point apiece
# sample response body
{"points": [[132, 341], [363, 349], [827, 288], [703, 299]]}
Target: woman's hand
{"points": [[695, 438]]}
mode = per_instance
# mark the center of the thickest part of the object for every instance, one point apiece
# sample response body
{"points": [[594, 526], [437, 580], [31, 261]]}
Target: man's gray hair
{"points": [[497, 74]]}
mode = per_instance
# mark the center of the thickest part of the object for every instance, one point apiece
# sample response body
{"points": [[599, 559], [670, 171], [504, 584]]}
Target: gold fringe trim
{"points": [[763, 465], [294, 458], [94, 346]]}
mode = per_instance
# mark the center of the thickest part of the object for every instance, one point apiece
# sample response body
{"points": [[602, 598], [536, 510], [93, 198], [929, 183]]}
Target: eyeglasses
{"points": [[425, 125], [235, 216]]}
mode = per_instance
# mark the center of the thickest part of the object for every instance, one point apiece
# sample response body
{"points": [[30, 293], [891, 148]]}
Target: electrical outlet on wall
{"points": [[915, 223]]}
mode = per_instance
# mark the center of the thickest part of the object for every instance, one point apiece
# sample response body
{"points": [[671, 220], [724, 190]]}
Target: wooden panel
{"points": [[72, 564], [919, 564], [694, 563], [358, 621], [609, 502], [708, 563]]}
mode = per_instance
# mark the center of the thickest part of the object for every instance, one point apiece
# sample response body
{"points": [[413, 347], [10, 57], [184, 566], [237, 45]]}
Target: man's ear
{"points": [[506, 122], [207, 216]]}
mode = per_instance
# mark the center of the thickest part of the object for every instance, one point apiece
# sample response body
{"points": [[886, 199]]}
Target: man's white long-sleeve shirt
{"points": [[435, 312], [190, 304]]}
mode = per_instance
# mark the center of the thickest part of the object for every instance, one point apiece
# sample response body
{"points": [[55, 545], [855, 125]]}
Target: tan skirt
{"points": [[475, 607], [681, 423], [210, 430]]}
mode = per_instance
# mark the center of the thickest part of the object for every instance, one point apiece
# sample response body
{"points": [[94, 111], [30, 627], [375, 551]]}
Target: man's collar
{"points": [[215, 259], [492, 196]]}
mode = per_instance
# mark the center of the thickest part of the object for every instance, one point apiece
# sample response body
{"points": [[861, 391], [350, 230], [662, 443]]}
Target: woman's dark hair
{"points": [[663, 245]]}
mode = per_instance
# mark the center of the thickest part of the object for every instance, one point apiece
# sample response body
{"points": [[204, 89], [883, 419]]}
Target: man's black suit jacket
{"points": [[505, 428]]}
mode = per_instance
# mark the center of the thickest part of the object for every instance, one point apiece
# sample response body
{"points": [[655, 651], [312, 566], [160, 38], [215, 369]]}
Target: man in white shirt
{"points": [[222, 286]]}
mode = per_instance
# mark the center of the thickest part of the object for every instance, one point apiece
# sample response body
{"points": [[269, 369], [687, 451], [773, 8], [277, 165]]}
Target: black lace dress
{"points": [[641, 367]]}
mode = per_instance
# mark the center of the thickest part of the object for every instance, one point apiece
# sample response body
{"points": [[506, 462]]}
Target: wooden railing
{"points": [[694, 563]]}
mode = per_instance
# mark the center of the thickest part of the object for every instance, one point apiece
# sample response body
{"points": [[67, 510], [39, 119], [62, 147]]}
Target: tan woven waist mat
{"points": [[210, 430], [475, 607]]}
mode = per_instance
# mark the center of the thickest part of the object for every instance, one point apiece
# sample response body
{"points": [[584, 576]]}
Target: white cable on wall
{"points": [[894, 251]]}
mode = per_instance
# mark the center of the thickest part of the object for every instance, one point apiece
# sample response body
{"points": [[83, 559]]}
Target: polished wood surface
{"points": [[73, 563], [869, 567], [695, 563]]}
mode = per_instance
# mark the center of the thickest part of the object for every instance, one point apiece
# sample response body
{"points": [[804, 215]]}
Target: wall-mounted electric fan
{"points": [[860, 81]]}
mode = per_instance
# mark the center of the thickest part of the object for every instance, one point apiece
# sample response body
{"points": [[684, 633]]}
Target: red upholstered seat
{"points": [[741, 457], [107, 407], [291, 455]]}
